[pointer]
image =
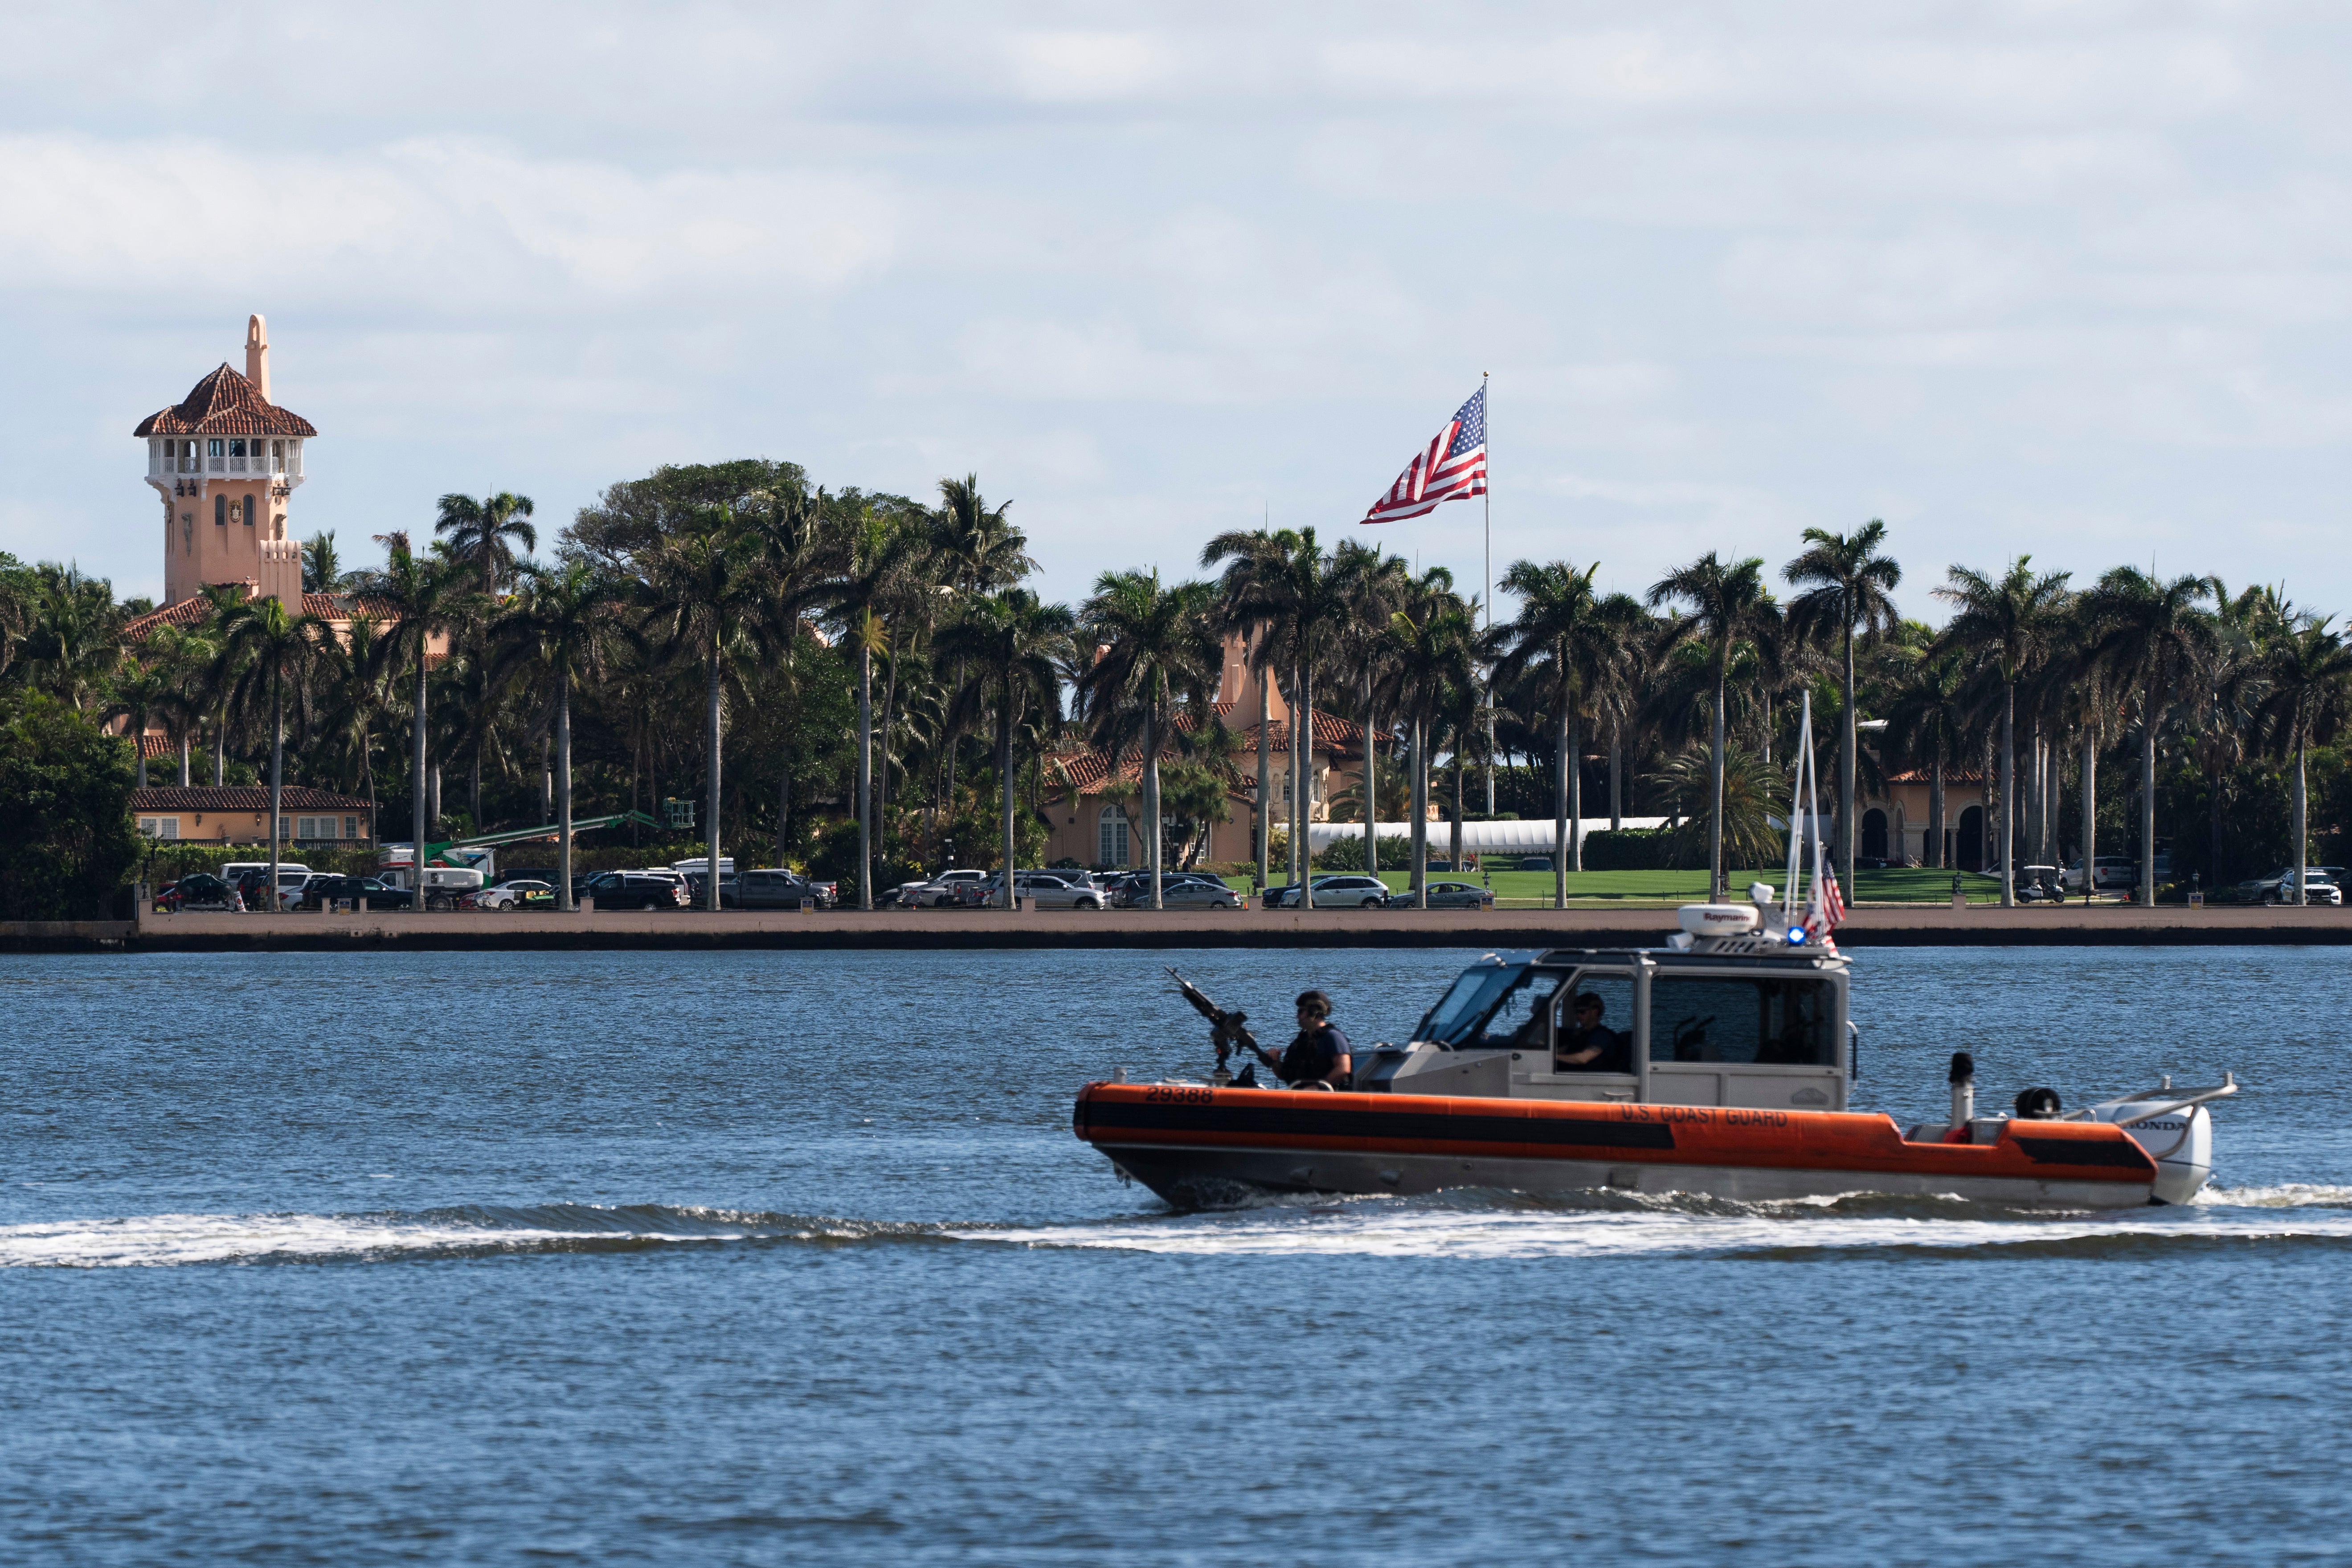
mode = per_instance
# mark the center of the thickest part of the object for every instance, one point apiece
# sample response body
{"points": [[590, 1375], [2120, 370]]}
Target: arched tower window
{"points": [[220, 511], [1110, 837], [249, 512]]}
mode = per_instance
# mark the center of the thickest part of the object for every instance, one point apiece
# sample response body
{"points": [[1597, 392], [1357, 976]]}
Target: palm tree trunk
{"points": [[1371, 804], [1453, 850], [2148, 711], [1420, 841], [1152, 798], [220, 753], [2090, 814], [1715, 820], [416, 794], [1302, 754], [1845, 763], [139, 744], [1004, 761], [2213, 860], [889, 723], [783, 806], [864, 775], [1575, 795], [564, 900], [1616, 786], [710, 785], [2302, 824], [474, 785], [183, 759], [277, 786], [1561, 733], [1934, 856], [1265, 780], [2008, 796]]}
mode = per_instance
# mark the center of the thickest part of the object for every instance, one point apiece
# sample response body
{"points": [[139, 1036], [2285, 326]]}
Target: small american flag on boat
{"points": [[1827, 910], [1451, 468]]}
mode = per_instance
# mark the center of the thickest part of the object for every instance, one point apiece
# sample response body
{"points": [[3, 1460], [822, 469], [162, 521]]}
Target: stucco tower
{"points": [[226, 460]]}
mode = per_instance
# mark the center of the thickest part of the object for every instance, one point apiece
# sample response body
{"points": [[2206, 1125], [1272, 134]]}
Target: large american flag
{"points": [[1452, 468]]}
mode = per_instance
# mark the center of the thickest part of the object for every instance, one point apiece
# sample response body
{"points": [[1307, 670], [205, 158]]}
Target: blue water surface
{"points": [[767, 1259]]}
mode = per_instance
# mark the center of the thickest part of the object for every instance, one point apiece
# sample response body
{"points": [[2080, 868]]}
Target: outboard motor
{"points": [[2037, 1105], [1964, 1090]]}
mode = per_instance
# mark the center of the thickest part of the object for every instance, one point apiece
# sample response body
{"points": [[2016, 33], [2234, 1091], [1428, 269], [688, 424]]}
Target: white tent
{"points": [[1532, 836]]}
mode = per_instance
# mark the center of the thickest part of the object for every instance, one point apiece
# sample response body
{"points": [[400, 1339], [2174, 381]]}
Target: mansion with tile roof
{"points": [[1095, 813], [227, 461]]}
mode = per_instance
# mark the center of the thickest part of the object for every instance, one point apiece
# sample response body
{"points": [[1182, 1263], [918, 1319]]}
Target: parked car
{"points": [[515, 893], [1051, 890], [940, 890], [196, 891], [1442, 896], [1333, 892], [320, 891], [2318, 887], [1198, 893], [1534, 862], [1133, 891], [2112, 873], [771, 888], [635, 890]]}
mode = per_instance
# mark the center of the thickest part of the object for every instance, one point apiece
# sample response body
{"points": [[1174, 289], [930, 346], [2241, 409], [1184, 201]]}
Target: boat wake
{"points": [[1504, 1226], [469, 1231], [1464, 1225]]}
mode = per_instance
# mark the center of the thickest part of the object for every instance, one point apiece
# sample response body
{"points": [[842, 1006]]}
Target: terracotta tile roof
{"points": [[225, 404], [240, 797], [1088, 770], [192, 611], [153, 746], [1953, 777]]}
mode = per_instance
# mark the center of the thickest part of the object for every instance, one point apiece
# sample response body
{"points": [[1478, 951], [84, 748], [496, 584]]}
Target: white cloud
{"points": [[446, 221]]}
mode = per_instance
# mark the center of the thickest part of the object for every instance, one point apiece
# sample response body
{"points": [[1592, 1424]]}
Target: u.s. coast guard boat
{"points": [[1728, 1058], [1741, 1092]]}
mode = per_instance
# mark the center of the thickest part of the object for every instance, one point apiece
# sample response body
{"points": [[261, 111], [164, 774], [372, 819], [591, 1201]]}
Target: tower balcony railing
{"points": [[187, 463]]}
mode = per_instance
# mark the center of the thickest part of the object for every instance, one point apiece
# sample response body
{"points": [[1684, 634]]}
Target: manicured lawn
{"points": [[1528, 889]]}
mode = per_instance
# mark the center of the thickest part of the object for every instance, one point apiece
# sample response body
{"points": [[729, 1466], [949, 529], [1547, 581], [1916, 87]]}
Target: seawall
{"points": [[691, 930]]}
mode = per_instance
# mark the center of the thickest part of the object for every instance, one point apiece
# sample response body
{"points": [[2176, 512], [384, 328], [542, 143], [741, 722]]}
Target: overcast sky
{"points": [[2046, 278]]}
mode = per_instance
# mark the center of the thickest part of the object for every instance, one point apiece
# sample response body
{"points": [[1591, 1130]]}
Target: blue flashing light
{"points": [[1796, 936]]}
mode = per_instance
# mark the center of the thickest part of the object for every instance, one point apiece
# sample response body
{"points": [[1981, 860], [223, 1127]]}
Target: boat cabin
{"points": [[1744, 1023]]}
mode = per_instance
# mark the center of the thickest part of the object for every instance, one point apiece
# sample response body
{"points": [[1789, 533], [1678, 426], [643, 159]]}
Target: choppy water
{"points": [[776, 1259]]}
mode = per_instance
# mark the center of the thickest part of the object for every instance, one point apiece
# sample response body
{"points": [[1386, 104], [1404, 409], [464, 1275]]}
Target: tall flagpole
{"points": [[1488, 498]]}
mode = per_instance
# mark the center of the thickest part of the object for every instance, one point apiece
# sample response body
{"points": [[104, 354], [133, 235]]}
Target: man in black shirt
{"points": [[1591, 1045], [1319, 1057]]}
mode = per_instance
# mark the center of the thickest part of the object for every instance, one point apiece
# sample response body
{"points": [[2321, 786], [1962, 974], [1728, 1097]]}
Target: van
{"points": [[444, 885]]}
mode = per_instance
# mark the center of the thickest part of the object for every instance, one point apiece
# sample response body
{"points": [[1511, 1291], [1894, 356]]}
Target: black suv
{"points": [[319, 891], [634, 891], [769, 888]]}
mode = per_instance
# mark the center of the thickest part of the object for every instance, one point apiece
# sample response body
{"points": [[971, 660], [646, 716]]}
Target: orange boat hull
{"points": [[1200, 1147]]}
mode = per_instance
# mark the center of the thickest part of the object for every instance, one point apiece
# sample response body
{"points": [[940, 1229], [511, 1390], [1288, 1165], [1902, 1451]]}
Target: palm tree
{"points": [[484, 532], [568, 621], [1848, 582], [1728, 604], [1283, 589], [2152, 634], [710, 598], [422, 597], [880, 548], [1927, 723], [354, 693], [974, 550], [322, 570], [1375, 584], [2015, 625], [141, 692], [1012, 645], [1160, 647], [73, 635], [2309, 670], [265, 652], [1436, 638], [1562, 635]]}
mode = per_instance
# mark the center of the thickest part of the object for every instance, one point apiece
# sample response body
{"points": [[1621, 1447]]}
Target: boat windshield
{"points": [[1457, 1016]]}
